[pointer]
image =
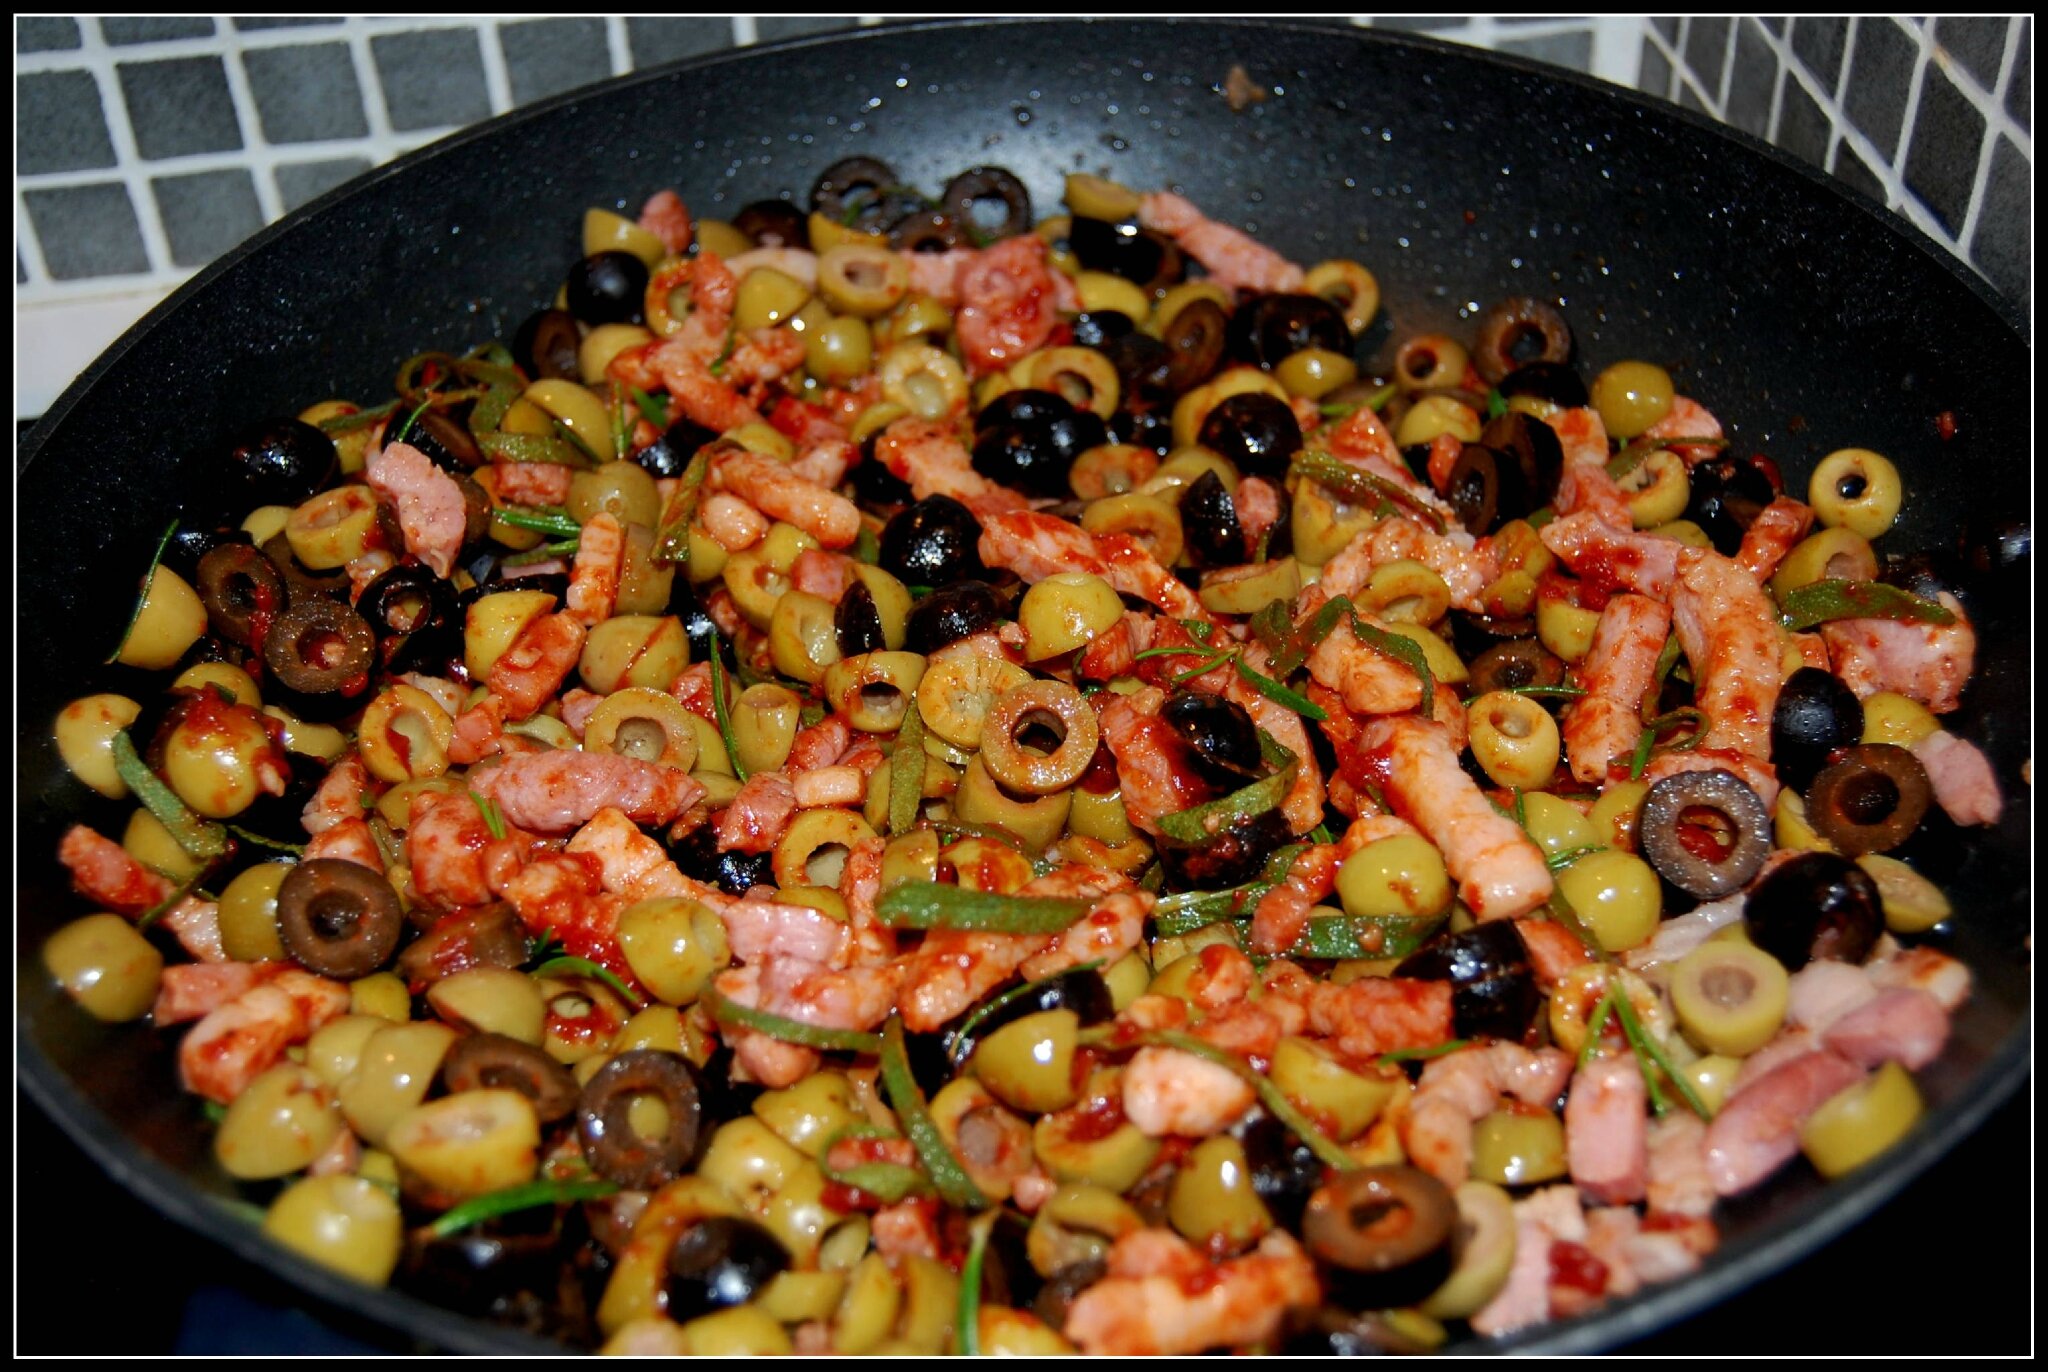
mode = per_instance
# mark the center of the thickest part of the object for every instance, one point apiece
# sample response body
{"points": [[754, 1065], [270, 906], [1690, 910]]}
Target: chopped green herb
{"points": [[1561, 910], [412, 419], [906, 773], [568, 966], [1201, 823], [956, 1188], [727, 1011], [888, 1181], [493, 820], [1824, 601], [1632, 456], [278, 845], [499, 446], [1363, 487], [142, 597], [199, 838], [1345, 937], [555, 522], [918, 906], [533, 1194], [1404, 650], [967, 1318], [1596, 1025], [214, 1111], [1559, 692], [1496, 403], [1274, 691], [1202, 668], [361, 419], [546, 552], [672, 544], [1321, 834], [1557, 862], [723, 710]]}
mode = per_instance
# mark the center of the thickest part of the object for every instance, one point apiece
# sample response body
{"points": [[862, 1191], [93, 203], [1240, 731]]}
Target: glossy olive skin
{"points": [[874, 485], [1095, 328], [1081, 990], [1817, 905], [413, 614], [273, 462], [1195, 341], [773, 224], [1143, 364], [508, 1266], [1266, 330], [1815, 715], [1727, 495], [1555, 382], [1486, 490], [670, 454], [1493, 987], [933, 543], [546, 343], [1662, 842], [1257, 432], [1125, 250], [1208, 522], [698, 625], [1146, 429], [1031, 444], [1382, 1236], [856, 623], [1870, 799], [191, 542], [978, 185], [1534, 449], [493, 1061], [608, 288], [1229, 858], [1223, 743], [1285, 1171], [732, 871], [948, 615], [613, 1147], [720, 1262]]}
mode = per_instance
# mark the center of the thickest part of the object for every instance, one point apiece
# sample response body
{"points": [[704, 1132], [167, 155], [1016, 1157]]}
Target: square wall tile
{"points": [[1803, 126], [153, 29], [46, 35], [1941, 162], [1426, 23], [1880, 77], [179, 105], [258, 23], [206, 213], [1573, 50], [58, 124], [305, 93], [1706, 48], [1654, 76], [1819, 43], [299, 182], [1853, 170], [549, 56], [770, 27], [2004, 247], [1667, 26], [87, 231], [1752, 79], [655, 41], [431, 78], [1978, 45]]}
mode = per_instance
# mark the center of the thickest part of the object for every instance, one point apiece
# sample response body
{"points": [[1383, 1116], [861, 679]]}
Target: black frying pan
{"points": [[1806, 317]]}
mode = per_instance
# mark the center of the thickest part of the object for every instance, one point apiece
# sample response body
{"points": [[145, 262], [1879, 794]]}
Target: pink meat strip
{"points": [[1903, 1025], [554, 792], [1962, 778], [1605, 1144], [1584, 485], [1729, 630], [1233, 258], [1617, 673], [1644, 563], [431, 513], [1757, 1131], [1929, 662], [1777, 529]]}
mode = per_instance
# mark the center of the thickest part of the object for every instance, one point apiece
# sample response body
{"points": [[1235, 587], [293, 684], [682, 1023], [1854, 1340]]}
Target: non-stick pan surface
{"points": [[1806, 317]]}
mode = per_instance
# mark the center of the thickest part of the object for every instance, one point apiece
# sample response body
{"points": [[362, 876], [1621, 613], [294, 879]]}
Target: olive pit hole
{"points": [[1869, 798], [1420, 364], [1041, 732], [1526, 344], [1851, 487], [826, 864], [1725, 985], [880, 696], [334, 915], [644, 739]]}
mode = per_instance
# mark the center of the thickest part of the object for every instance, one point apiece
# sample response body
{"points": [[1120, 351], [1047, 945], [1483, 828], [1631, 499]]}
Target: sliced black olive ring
{"points": [[319, 647], [338, 918], [1870, 800], [242, 590], [480, 1062], [1705, 832], [773, 224], [1507, 330], [1386, 1230], [619, 1152], [930, 231], [405, 600], [1194, 340], [1516, 663], [980, 185], [847, 182]]}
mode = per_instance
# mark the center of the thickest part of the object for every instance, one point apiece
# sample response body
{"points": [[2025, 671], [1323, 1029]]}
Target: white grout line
{"points": [[99, 60], [1726, 80], [1618, 49], [497, 79], [269, 199], [744, 34], [1987, 154], [1777, 112], [618, 45]]}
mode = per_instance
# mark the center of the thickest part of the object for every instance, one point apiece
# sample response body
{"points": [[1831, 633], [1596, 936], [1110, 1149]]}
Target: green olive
{"points": [[674, 947], [1730, 997], [1483, 1252], [740, 1332], [216, 760], [1431, 361], [341, 1222], [643, 723], [838, 350], [645, 585], [1313, 373], [1073, 1144], [1838, 554], [634, 650], [862, 279], [931, 1303], [381, 994], [394, 1070], [767, 297], [1029, 1063], [171, 620], [1435, 415], [1613, 816], [801, 1297], [1518, 1148], [1444, 663], [1077, 1224], [868, 1310], [1712, 1078], [106, 966], [892, 602], [956, 694], [1912, 903], [1557, 825], [337, 1046], [85, 739], [874, 690], [1564, 628], [813, 849], [1008, 1333], [1632, 396], [1402, 875], [624, 490], [1514, 739], [491, 1000], [493, 622], [808, 1114], [280, 1123], [658, 1026], [1250, 588], [1323, 525], [248, 913], [1684, 531], [1617, 896], [606, 231], [802, 636], [1856, 489], [764, 724], [1851, 1128], [1100, 815], [1212, 1201], [1889, 717], [1657, 490], [1311, 1076], [750, 1161], [1105, 291], [1127, 978], [1065, 611], [1035, 821]]}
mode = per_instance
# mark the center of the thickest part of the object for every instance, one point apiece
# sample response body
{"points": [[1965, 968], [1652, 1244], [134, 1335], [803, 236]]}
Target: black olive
{"points": [[1194, 339], [847, 181], [723, 1097], [1382, 1235], [1229, 858], [1926, 574], [1493, 987], [773, 224], [950, 614], [1126, 250], [1208, 519], [1081, 990], [1019, 408], [1144, 366], [280, 817], [192, 542], [1533, 447], [1705, 832], [1486, 489], [856, 624], [931, 1066], [1223, 743], [1095, 328], [1817, 905], [698, 855], [670, 454], [496, 1062], [1143, 429], [608, 288], [1007, 1276], [718, 1263], [434, 651], [1285, 1171], [487, 936], [966, 195], [1870, 799], [698, 625], [1555, 382], [1815, 715], [405, 600], [926, 231], [1266, 330], [614, 1148], [1257, 432], [242, 590], [1517, 662], [319, 647], [546, 344], [1727, 495], [932, 543], [338, 918], [1517, 331], [274, 462], [446, 443], [1415, 457], [1025, 457], [493, 1268], [874, 485], [1334, 1333], [1056, 1298]]}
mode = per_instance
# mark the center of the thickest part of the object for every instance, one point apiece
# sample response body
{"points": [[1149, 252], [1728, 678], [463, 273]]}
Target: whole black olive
{"points": [[1554, 382], [1534, 448], [1493, 987], [1143, 429], [1727, 495], [1705, 832], [1816, 905], [192, 542], [546, 345], [1285, 1171], [874, 485], [932, 543], [670, 454], [1081, 990], [1229, 858], [1056, 1298], [494, 1267], [967, 198], [856, 623], [1021, 408], [1144, 366], [773, 224], [847, 182], [1870, 799], [608, 288], [698, 625], [950, 614], [1094, 328], [1926, 574], [442, 437], [1034, 456], [697, 855], [1194, 339], [1208, 519], [275, 462], [1126, 250], [718, 1263], [1516, 331], [1334, 1333], [1223, 743], [1257, 432], [1815, 715], [1487, 489], [1008, 1278], [1517, 662], [1266, 330], [1382, 1235]]}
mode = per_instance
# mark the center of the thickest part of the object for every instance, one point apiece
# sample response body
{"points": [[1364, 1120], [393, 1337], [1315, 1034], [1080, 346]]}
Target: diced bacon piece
{"points": [[340, 795], [1233, 258], [668, 218], [1166, 1091], [532, 483], [631, 863], [758, 929], [1929, 662], [431, 512], [1611, 558], [828, 457], [479, 732], [1500, 871], [1257, 502], [1962, 778], [600, 562], [578, 705], [1757, 1131], [196, 925], [1729, 630], [821, 745], [1678, 1183], [1156, 1304], [365, 569], [556, 791], [937, 274], [103, 872], [1936, 973], [1687, 418], [1009, 303], [1777, 528], [530, 672], [1824, 990], [1375, 1015], [563, 894], [348, 841], [1618, 671], [829, 786], [1584, 487], [1604, 1140], [238, 1041], [1467, 565], [908, 1228], [190, 990], [771, 487], [1554, 951], [953, 969], [1903, 1025], [757, 816], [444, 846], [822, 574]]}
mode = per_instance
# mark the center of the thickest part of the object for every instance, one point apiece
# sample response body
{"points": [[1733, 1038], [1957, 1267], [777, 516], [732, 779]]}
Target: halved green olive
{"points": [[1484, 1249], [1730, 997], [338, 918], [1518, 1147]]}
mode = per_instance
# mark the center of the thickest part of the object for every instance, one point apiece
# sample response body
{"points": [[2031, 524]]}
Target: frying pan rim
{"points": [[1820, 1219]]}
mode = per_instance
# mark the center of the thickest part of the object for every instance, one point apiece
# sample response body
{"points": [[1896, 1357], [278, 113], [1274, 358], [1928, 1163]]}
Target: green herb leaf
{"points": [[1184, 650], [1824, 601], [1557, 862], [906, 773], [1303, 639], [1201, 630], [1560, 909], [1496, 403], [672, 544], [557, 523], [918, 906], [1201, 823], [1363, 487], [545, 947], [1202, 668], [888, 1181], [361, 419], [1434, 1050], [503, 447], [956, 1188], [569, 966], [546, 552], [867, 546], [967, 1317], [727, 1011], [1321, 834], [214, 1111], [1273, 626], [412, 419], [199, 838], [533, 1194], [276, 845], [724, 711], [1270, 1096], [653, 408], [1596, 1025], [1559, 692], [1363, 936], [148, 576], [1274, 691], [169, 902], [1405, 651], [493, 820], [1647, 1046]]}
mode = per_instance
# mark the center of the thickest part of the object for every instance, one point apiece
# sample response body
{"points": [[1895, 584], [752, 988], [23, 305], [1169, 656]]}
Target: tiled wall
{"points": [[145, 147]]}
